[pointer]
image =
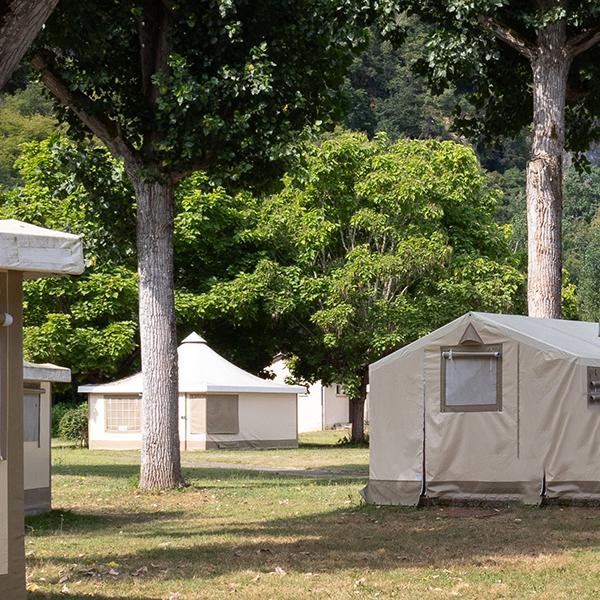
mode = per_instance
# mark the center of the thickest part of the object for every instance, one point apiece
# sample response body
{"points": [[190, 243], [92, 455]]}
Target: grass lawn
{"points": [[259, 535]]}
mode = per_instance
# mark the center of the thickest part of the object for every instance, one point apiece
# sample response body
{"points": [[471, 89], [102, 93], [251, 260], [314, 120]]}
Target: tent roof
{"points": [[36, 250], [46, 372], [575, 339], [201, 369]]}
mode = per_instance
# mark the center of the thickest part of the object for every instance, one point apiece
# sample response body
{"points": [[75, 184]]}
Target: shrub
{"points": [[58, 410], [73, 425]]}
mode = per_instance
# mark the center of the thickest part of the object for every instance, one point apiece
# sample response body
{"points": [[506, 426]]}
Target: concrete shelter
{"points": [[37, 404], [488, 407], [25, 251], [220, 406]]}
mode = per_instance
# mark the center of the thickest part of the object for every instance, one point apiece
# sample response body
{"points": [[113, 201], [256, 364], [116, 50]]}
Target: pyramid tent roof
{"points": [[201, 369], [576, 340]]}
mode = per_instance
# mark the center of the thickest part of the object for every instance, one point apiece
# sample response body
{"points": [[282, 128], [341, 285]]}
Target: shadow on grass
{"points": [[107, 470], [362, 537], [68, 522], [326, 473]]}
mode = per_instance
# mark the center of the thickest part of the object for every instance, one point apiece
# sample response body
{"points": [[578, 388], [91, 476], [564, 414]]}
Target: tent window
{"points": [[471, 378], [197, 413], [123, 414], [222, 414], [31, 415]]}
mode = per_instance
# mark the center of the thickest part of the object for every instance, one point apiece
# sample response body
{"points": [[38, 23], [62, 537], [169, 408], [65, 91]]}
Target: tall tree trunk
{"points": [[20, 22], [550, 67], [357, 411], [160, 459]]}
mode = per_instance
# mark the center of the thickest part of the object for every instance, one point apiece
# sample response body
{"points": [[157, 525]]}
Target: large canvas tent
{"points": [[488, 407], [25, 251], [37, 403], [220, 406]]}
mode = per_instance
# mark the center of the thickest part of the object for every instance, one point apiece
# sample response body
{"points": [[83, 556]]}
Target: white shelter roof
{"points": [[575, 339], [36, 250], [201, 369], [46, 372]]}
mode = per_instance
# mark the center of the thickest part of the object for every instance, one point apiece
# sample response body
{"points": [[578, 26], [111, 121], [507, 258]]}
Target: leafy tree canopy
{"points": [[25, 116], [216, 85], [468, 48], [371, 245], [90, 323]]}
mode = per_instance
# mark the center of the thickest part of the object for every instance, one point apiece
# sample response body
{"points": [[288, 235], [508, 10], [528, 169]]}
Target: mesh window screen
{"points": [[123, 414], [31, 416], [471, 380], [222, 414]]}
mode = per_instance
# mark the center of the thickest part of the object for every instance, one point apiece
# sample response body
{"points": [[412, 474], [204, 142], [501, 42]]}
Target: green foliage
{"points": [[495, 79], [56, 413], [239, 80], [385, 94], [73, 425], [77, 188], [589, 287], [24, 116], [581, 201], [370, 246], [213, 233], [89, 322]]}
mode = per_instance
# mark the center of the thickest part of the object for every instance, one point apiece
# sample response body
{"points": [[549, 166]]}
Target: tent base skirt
{"points": [[526, 492], [573, 490], [396, 493]]}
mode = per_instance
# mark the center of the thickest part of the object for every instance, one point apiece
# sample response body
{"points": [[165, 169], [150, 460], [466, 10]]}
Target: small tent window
{"points": [[123, 414], [31, 414], [222, 414], [471, 378]]}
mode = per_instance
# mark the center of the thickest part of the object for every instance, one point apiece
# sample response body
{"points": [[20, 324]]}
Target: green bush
{"points": [[58, 410], [73, 425]]}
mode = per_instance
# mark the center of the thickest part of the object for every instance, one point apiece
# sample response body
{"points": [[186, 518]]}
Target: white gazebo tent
{"points": [[220, 406], [37, 404], [25, 251], [488, 407]]}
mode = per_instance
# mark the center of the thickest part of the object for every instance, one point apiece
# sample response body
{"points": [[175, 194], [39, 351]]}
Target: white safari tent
{"points": [[488, 407], [220, 406], [25, 251], [37, 402], [319, 406]]}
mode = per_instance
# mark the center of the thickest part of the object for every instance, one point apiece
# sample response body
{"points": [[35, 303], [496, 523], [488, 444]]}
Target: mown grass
{"points": [[255, 535]]}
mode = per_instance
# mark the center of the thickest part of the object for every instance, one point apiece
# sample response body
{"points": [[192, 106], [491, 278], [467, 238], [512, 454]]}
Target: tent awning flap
{"points": [[36, 250]]}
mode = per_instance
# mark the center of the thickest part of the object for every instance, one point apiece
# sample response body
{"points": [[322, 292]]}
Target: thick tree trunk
{"points": [[357, 412], [20, 22], [160, 459], [550, 67]]}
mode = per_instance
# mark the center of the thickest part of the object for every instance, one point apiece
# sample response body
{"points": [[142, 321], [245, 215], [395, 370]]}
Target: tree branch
{"points": [[584, 41], [20, 22], [199, 164], [508, 36], [154, 26], [101, 127]]}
